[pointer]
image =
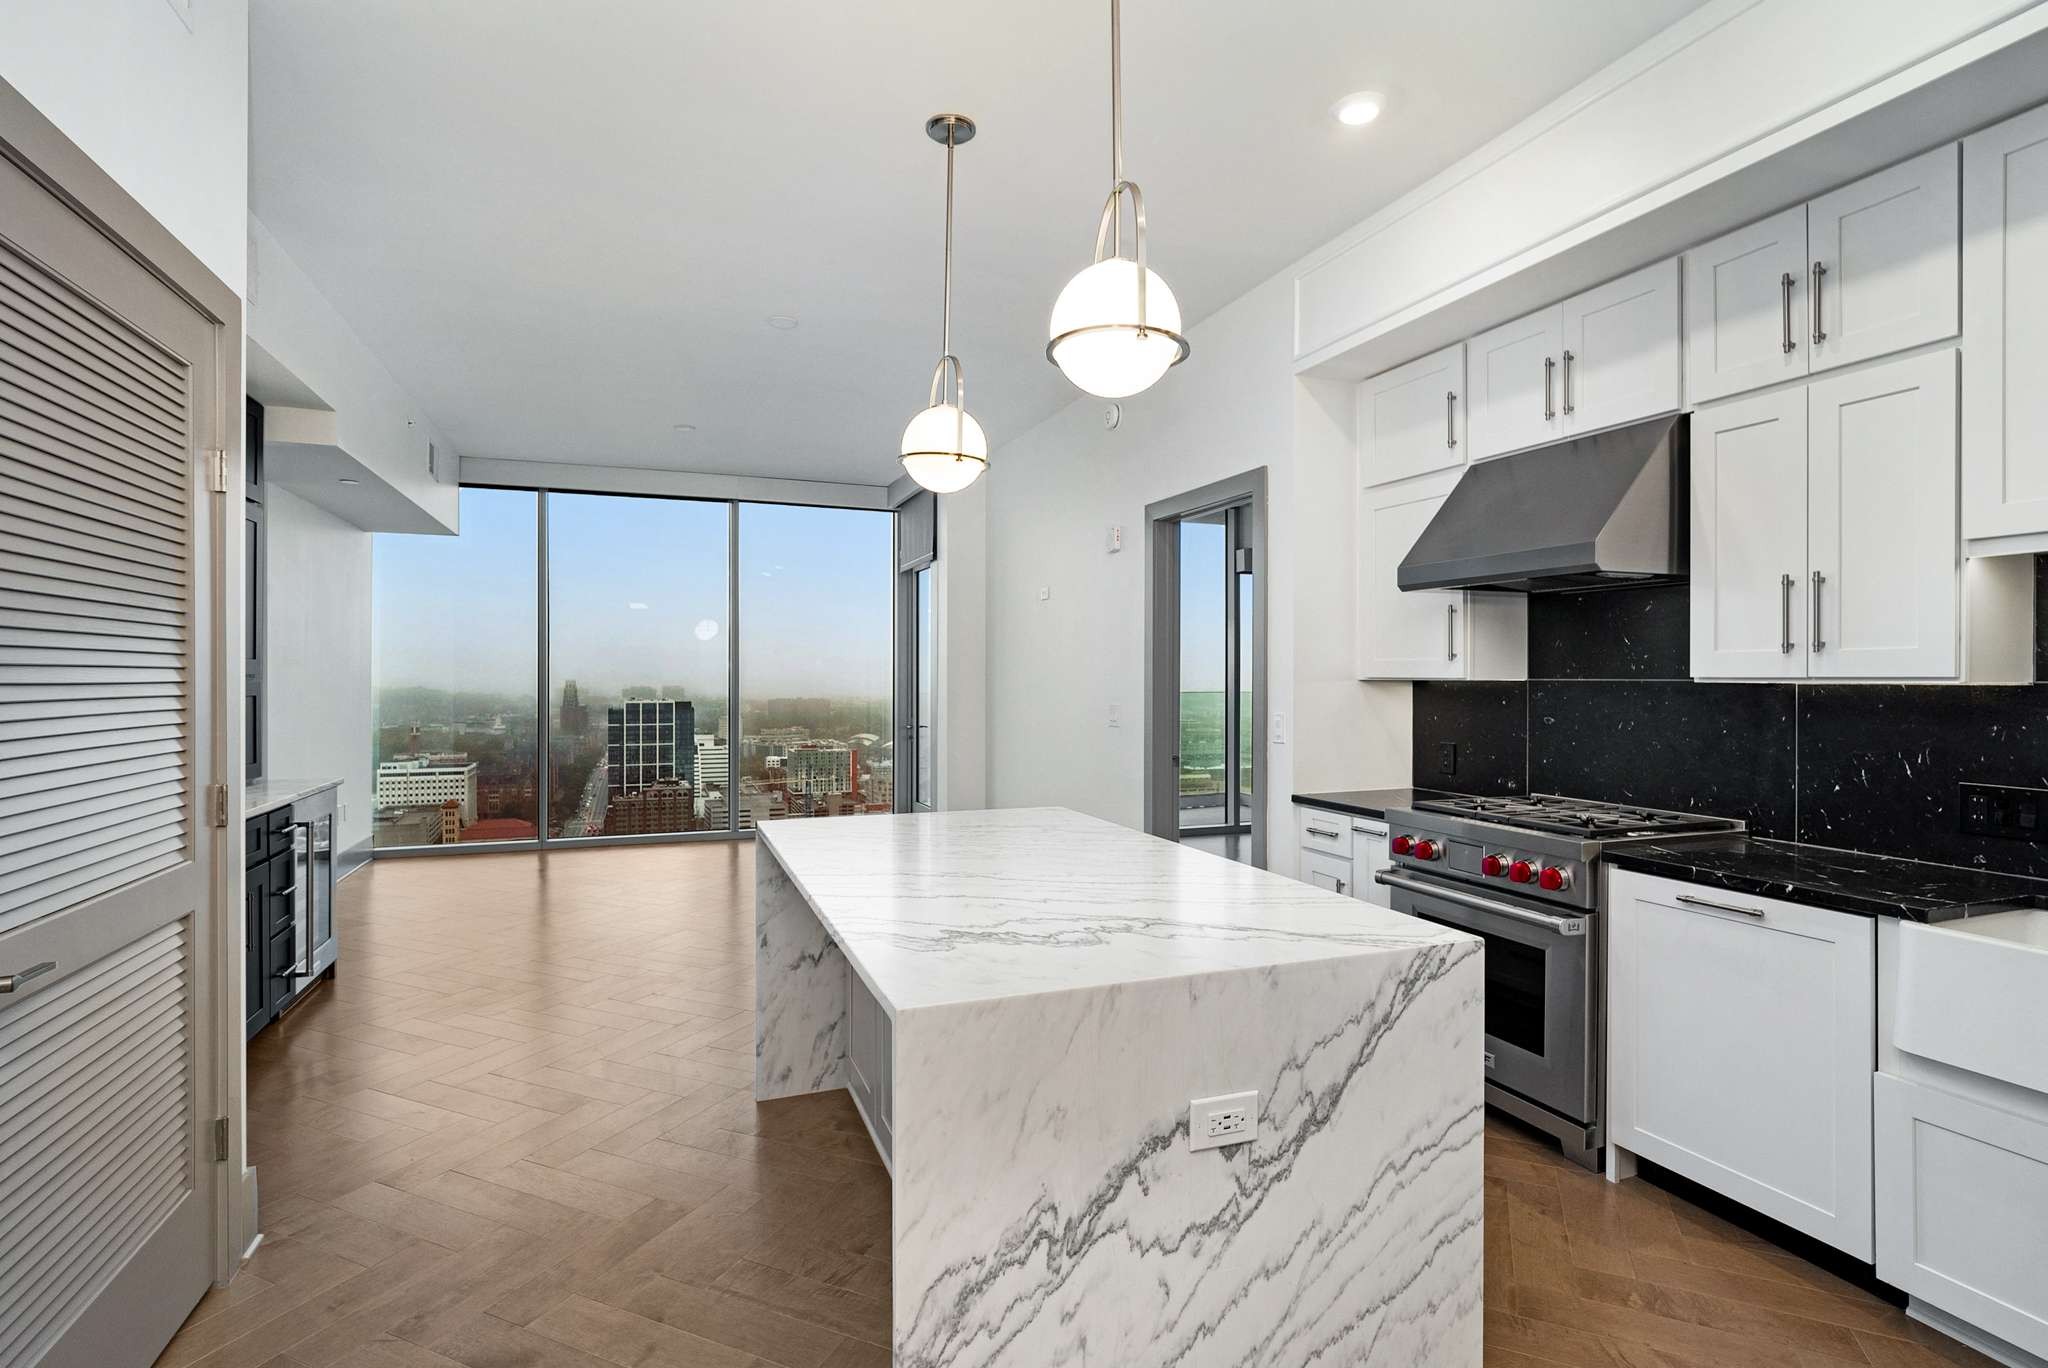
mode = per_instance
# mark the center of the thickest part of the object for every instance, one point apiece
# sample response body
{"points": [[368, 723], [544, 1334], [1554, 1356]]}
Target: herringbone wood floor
{"points": [[518, 1130]]}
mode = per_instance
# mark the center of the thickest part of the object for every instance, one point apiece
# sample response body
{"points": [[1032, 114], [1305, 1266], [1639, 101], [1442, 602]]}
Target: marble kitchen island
{"points": [[1025, 1002]]}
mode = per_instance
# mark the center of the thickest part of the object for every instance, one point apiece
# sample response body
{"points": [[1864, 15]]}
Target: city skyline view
{"points": [[638, 647]]}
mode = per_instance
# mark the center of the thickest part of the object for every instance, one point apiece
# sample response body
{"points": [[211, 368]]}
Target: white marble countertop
{"points": [[265, 794], [943, 908]]}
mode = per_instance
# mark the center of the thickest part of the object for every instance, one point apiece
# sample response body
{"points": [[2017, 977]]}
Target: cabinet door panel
{"points": [[1881, 521], [1410, 419], [1748, 534], [1509, 409], [2005, 284], [1620, 357], [1326, 871], [1742, 1050], [1740, 314], [1889, 253], [1404, 636]]}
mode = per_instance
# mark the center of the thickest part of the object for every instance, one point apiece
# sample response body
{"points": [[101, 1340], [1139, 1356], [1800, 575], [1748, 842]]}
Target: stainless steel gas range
{"points": [[1523, 873]]}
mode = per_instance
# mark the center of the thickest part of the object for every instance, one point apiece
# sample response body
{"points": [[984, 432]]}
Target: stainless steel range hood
{"points": [[1599, 512]]}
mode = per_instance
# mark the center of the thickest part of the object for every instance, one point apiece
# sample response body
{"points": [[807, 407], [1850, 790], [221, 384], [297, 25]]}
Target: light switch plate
{"points": [[1214, 1122]]}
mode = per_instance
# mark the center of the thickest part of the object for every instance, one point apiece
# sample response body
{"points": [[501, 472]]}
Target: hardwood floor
{"points": [[518, 1130]]}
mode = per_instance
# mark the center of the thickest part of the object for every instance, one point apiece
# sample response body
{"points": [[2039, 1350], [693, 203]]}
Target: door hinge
{"points": [[217, 470], [217, 804], [220, 1139]]}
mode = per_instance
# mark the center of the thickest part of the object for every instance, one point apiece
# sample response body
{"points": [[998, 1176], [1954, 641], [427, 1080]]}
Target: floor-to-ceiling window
{"points": [[455, 745], [1204, 692], [637, 651], [816, 658], [566, 668]]}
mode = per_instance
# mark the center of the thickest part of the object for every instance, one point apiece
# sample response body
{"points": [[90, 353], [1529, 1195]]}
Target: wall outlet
{"points": [[1447, 757], [1214, 1122], [1044, 592], [2004, 810], [1116, 715], [1116, 540]]}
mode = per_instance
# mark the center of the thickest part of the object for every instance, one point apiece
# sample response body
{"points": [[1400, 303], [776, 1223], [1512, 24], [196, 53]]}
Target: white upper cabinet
{"points": [[1884, 257], [1430, 633], [1744, 299], [1619, 357], [1514, 379], [1411, 419], [1749, 538], [2005, 323], [1881, 521], [1863, 271]]}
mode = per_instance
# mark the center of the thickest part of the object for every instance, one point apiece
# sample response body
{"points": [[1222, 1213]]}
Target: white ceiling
{"points": [[564, 226]]}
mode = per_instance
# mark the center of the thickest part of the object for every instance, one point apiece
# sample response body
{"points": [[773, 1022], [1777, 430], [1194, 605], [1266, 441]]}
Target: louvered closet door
{"points": [[107, 400]]}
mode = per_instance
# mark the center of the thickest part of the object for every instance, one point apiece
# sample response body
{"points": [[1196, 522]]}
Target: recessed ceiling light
{"points": [[782, 322], [345, 480], [1358, 109]]}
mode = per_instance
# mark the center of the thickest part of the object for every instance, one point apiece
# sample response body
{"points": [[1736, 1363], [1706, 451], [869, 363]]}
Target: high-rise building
{"points": [[714, 767], [413, 781], [656, 808], [820, 767], [575, 717], [649, 741]]}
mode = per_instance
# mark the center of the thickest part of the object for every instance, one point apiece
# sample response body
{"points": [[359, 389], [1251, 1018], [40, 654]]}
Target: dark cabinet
{"points": [[289, 939]]}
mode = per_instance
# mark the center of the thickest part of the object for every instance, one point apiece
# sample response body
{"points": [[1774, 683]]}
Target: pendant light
{"points": [[944, 449], [1116, 327]]}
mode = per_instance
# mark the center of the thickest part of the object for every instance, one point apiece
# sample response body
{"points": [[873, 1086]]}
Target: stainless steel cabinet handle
{"points": [[1340, 885], [1784, 615], [1819, 333], [1549, 409], [9, 982], [1786, 284], [1450, 418], [1451, 622], [1568, 359], [1326, 835], [1691, 901], [1813, 628]]}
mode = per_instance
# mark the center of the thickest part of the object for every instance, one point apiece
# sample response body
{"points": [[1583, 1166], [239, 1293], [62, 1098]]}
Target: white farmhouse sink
{"points": [[1974, 993]]}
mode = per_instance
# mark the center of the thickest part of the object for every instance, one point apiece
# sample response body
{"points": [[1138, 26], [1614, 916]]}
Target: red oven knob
{"points": [[1493, 866], [1427, 850], [1553, 879], [1401, 845], [1521, 871]]}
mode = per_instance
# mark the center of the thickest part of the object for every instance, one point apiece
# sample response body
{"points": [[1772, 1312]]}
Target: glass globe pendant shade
{"points": [[944, 449], [1096, 340]]}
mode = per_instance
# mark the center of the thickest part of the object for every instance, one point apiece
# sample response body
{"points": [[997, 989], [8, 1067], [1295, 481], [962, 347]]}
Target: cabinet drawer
{"points": [[1327, 833], [1962, 1208], [278, 823], [255, 840], [279, 957]]}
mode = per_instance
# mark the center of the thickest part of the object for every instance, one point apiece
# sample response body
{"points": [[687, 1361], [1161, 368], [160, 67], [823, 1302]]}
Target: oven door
{"points": [[1539, 1008]]}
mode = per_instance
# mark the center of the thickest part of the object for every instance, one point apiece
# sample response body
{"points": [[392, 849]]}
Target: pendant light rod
{"points": [[1116, 113], [946, 326]]}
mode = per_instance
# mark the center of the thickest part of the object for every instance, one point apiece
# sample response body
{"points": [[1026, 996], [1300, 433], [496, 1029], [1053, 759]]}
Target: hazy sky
{"points": [[638, 596], [1201, 606]]}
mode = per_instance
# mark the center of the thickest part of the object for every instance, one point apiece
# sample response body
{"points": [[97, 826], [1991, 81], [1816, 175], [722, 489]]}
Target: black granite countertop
{"points": [[1845, 880], [1364, 802]]}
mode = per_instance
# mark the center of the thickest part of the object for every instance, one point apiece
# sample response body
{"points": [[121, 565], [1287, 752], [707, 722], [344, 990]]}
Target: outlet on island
{"points": [[1214, 1122]]}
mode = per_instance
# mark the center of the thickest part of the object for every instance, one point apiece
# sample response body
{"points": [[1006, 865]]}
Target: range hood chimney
{"points": [[1599, 512]]}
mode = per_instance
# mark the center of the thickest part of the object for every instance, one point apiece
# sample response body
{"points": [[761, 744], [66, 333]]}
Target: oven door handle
{"points": [[1560, 926]]}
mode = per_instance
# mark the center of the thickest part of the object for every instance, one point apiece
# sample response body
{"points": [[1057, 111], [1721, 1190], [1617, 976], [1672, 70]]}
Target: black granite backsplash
{"points": [[1609, 712]]}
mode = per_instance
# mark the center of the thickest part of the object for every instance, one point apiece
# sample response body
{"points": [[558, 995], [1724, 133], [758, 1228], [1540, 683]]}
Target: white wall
{"points": [[163, 109], [960, 600], [1055, 666], [376, 421], [318, 690]]}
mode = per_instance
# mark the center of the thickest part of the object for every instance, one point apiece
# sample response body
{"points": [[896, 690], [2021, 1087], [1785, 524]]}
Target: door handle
{"points": [[1786, 283], [1813, 628], [1569, 407], [1450, 418], [1710, 904], [1819, 333], [1451, 622], [1549, 409], [10, 982], [1784, 615]]}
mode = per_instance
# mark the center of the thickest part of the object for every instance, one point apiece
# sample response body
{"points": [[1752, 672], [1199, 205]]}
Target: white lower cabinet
{"points": [[870, 1061], [1741, 1038], [1962, 1208], [1369, 855]]}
